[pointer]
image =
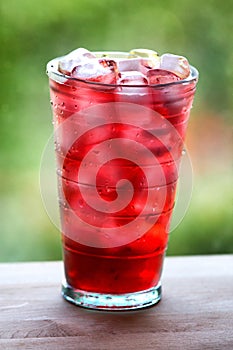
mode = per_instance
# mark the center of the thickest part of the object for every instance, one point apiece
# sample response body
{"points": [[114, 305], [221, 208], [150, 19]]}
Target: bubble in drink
{"points": [[73, 59], [159, 76], [176, 64]]}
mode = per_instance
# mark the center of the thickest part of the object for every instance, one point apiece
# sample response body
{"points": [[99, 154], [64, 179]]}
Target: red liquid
{"points": [[92, 261]]}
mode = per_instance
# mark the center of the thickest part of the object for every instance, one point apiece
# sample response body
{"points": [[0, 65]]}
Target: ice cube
{"points": [[136, 64], [132, 64], [132, 78], [159, 76], [111, 64], [73, 59], [102, 71], [144, 53], [81, 52], [178, 65], [150, 58]]}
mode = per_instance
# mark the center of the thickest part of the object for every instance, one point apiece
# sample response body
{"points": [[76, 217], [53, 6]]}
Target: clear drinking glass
{"points": [[118, 149]]}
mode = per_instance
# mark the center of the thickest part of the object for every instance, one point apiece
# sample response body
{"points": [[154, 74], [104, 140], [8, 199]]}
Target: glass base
{"points": [[111, 302]]}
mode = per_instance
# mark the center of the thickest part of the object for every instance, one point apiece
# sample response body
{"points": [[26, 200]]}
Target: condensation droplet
{"points": [[59, 172]]}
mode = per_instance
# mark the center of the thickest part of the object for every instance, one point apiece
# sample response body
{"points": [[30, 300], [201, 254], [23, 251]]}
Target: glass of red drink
{"points": [[118, 145]]}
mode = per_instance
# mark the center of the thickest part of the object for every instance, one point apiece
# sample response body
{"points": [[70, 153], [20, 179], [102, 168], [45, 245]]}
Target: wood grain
{"points": [[196, 311]]}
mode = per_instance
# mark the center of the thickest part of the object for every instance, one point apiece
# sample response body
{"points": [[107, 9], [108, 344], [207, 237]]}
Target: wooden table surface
{"points": [[196, 311]]}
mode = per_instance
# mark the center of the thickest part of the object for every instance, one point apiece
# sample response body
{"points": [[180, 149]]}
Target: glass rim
{"points": [[53, 73]]}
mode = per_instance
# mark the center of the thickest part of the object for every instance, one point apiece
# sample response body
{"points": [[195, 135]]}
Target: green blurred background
{"points": [[33, 32]]}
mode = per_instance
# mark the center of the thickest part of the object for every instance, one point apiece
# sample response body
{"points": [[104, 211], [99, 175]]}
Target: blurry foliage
{"points": [[32, 32]]}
